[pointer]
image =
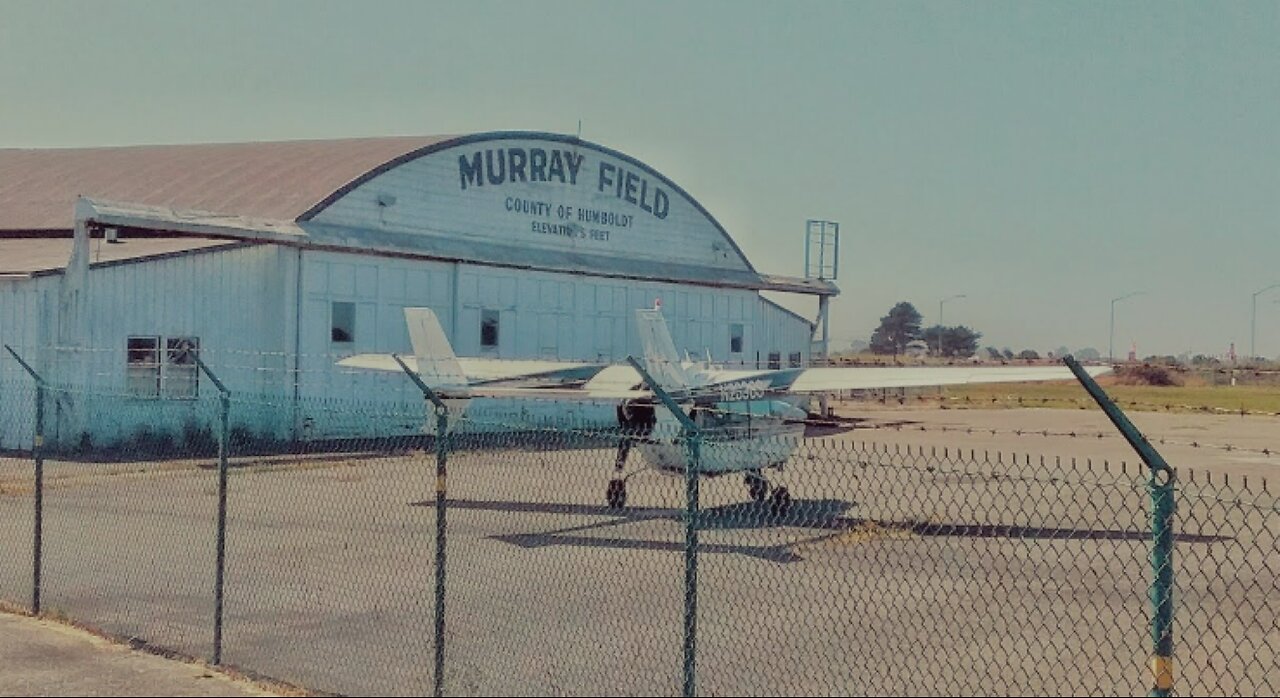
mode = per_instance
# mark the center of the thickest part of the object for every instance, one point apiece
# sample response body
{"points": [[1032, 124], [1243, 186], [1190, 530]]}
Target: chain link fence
{"points": [[1227, 621], [888, 570]]}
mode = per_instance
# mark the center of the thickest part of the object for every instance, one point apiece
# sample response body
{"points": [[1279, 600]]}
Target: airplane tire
{"points": [[616, 495], [780, 502]]}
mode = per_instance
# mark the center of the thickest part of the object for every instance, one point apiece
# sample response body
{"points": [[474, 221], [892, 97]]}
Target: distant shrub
{"points": [[1147, 374]]}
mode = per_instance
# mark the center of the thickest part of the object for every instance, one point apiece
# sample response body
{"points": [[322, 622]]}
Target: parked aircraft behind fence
{"points": [[744, 424]]}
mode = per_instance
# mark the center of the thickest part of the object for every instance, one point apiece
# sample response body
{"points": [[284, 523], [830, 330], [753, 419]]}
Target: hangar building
{"points": [[274, 260]]}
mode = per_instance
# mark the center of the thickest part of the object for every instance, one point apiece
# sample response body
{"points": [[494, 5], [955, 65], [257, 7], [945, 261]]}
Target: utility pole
{"points": [[1253, 322], [1111, 342], [940, 304]]}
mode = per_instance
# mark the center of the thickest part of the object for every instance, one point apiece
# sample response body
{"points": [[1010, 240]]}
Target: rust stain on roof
{"points": [[280, 180]]}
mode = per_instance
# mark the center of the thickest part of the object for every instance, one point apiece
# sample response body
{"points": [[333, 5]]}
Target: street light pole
{"points": [[1253, 322], [940, 304], [1111, 342]]}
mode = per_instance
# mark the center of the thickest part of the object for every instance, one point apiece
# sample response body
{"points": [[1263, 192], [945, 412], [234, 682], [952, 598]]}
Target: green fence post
{"points": [[692, 513], [442, 455], [1160, 485], [224, 444], [37, 455], [1162, 521]]}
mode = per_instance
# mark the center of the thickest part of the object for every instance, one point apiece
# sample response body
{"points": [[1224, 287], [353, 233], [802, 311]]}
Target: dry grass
{"points": [[1184, 398], [865, 532]]}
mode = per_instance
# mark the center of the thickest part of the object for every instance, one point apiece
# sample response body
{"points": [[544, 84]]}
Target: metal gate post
{"points": [[442, 455], [220, 565], [37, 454], [1160, 485], [693, 444]]}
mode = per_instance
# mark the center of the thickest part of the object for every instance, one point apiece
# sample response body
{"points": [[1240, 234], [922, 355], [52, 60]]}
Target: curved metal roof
{"points": [[280, 180], [271, 181]]}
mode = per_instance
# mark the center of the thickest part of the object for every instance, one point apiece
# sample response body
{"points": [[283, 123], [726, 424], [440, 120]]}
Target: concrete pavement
{"points": [[45, 658]]}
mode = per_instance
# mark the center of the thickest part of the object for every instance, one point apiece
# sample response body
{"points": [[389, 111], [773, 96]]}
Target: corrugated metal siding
{"points": [[25, 307], [784, 333], [379, 288], [240, 304], [233, 302], [543, 314]]}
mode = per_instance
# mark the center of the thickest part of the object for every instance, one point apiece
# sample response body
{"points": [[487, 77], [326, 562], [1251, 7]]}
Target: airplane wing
{"points": [[496, 372], [826, 378], [435, 362], [734, 384]]}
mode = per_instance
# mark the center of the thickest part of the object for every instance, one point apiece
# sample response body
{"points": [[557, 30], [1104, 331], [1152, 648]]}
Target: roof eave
{"points": [[260, 230]]}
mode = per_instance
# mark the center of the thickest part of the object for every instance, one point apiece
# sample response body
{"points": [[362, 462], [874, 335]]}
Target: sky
{"points": [[1042, 159]]}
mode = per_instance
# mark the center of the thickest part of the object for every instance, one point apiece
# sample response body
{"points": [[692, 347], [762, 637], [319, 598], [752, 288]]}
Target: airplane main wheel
{"points": [[780, 502], [757, 487], [616, 495]]}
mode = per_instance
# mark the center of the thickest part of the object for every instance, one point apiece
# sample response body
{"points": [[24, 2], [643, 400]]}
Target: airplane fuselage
{"points": [[735, 436]]}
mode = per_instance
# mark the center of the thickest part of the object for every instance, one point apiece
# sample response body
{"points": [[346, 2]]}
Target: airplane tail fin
{"points": [[438, 366], [661, 359]]}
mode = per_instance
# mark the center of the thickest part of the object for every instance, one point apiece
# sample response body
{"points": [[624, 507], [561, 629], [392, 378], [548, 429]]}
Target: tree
{"points": [[960, 342], [929, 336], [1062, 351], [952, 342], [1088, 354], [994, 354], [1008, 354], [1029, 354], [897, 329]]}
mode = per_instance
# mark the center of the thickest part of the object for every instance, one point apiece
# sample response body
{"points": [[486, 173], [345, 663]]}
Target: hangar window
{"points": [[795, 359], [735, 338], [181, 374], [172, 375], [775, 359], [489, 329], [143, 372], [342, 321]]}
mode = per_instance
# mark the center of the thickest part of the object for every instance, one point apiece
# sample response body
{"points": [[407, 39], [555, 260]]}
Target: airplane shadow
{"points": [[826, 515]]}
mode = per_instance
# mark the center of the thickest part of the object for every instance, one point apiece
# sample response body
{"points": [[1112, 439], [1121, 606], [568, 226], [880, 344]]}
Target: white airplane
{"points": [[745, 425]]}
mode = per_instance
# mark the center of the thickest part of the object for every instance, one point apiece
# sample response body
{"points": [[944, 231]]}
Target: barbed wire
{"points": [[1075, 433], [1271, 506], [1079, 402], [411, 406]]}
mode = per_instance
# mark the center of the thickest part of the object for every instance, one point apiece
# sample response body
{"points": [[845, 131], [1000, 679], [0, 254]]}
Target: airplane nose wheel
{"points": [[616, 495], [757, 486], [780, 502], [759, 490]]}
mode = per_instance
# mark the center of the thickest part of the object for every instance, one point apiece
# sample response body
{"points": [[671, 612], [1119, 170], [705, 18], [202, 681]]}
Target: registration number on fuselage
{"points": [[743, 390]]}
